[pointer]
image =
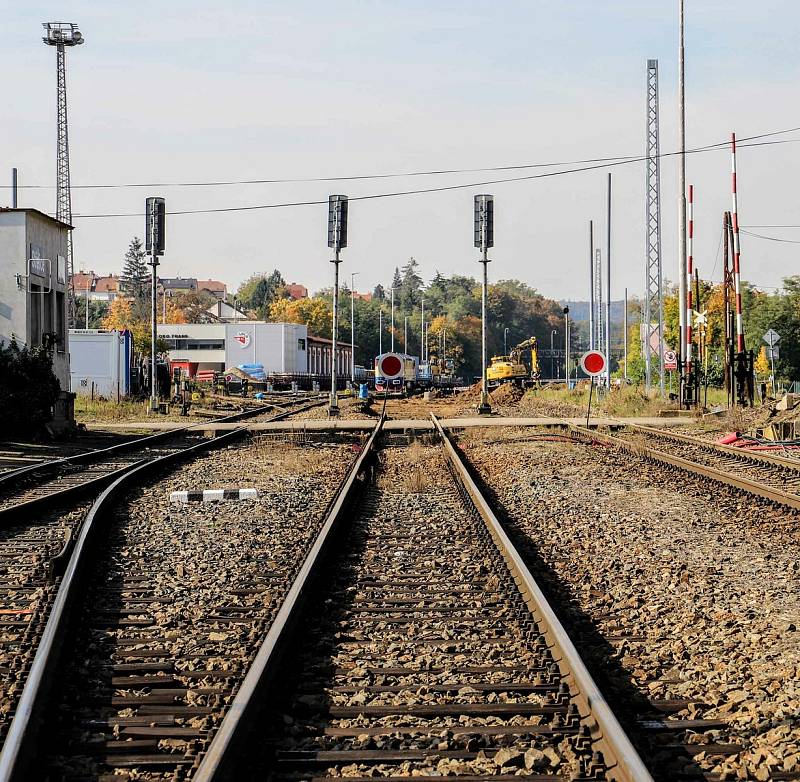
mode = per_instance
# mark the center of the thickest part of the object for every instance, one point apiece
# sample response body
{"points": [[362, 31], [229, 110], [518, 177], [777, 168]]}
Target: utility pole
{"points": [[13, 188], [608, 289], [61, 35], [392, 332], [591, 286], [653, 315], [566, 345], [155, 211], [682, 285], [405, 334], [422, 335], [88, 285], [505, 340], [380, 331], [625, 338], [337, 240], [484, 239], [352, 327]]}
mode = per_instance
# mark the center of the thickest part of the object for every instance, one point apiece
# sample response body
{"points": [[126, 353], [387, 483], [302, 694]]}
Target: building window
{"points": [[35, 338], [301, 344], [61, 320]]}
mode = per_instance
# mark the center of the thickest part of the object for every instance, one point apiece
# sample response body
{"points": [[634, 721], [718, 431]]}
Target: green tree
{"points": [[97, 311], [410, 285], [135, 280], [258, 292], [28, 389]]}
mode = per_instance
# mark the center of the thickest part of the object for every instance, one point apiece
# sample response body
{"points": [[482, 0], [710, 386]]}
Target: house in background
{"points": [[94, 287], [105, 288], [176, 285], [216, 288], [297, 291], [226, 313]]}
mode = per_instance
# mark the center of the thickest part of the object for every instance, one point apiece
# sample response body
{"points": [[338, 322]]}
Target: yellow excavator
{"points": [[520, 367]]}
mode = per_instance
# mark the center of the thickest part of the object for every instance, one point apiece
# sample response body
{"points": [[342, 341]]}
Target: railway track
{"points": [[424, 643], [34, 554], [769, 476], [25, 490], [429, 651]]}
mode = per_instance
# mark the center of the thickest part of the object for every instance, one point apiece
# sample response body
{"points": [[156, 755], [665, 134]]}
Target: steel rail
{"points": [[52, 465], [21, 740], [13, 511], [737, 482], [218, 762], [774, 460], [620, 756]]}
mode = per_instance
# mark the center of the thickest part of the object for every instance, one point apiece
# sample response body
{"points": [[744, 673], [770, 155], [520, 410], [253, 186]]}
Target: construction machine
{"points": [[520, 367]]}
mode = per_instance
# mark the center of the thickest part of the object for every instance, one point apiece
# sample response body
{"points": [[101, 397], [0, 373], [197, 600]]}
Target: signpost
{"points": [[670, 361], [593, 363], [772, 338]]}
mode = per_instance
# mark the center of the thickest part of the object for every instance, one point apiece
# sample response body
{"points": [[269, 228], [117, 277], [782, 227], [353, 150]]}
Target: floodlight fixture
{"points": [[62, 34]]}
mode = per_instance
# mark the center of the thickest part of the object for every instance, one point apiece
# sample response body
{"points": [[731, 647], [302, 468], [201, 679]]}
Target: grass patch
{"points": [[93, 410]]}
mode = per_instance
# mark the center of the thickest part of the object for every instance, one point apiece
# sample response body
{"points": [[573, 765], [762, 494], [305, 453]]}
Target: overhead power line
{"points": [[771, 238], [395, 175], [603, 163]]}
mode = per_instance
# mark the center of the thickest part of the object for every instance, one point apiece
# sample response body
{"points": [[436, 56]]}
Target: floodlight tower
{"points": [[61, 35]]}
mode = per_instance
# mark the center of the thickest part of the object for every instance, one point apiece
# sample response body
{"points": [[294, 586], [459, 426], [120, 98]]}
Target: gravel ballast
{"points": [[185, 590], [694, 588]]}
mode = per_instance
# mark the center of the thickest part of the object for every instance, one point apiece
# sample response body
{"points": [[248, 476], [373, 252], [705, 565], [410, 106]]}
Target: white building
{"points": [[100, 363], [282, 348], [33, 284]]}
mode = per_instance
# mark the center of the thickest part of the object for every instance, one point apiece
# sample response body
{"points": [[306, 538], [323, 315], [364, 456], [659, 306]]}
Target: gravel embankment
{"points": [[698, 585], [186, 589]]}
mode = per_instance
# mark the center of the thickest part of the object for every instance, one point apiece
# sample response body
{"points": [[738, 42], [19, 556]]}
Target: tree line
{"points": [[452, 314]]}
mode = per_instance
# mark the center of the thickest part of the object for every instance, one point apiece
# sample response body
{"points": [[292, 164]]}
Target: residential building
{"points": [[297, 291], [216, 288], [105, 288], [94, 287], [226, 313], [178, 285]]}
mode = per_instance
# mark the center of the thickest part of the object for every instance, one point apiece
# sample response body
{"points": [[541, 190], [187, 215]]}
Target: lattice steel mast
{"points": [[653, 316], [61, 35]]}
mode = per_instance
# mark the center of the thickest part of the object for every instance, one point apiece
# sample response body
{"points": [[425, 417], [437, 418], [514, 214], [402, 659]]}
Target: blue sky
{"points": [[205, 91]]}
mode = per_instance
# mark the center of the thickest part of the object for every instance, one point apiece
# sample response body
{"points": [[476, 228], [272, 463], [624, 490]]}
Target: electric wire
{"points": [[770, 238], [440, 172], [614, 162]]}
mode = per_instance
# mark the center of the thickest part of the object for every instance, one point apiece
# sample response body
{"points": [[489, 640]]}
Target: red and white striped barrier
{"points": [[736, 251], [689, 273]]}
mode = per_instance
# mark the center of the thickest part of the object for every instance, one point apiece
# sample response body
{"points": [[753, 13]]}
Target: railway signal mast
{"points": [[484, 239], [337, 240], [62, 35], [155, 210]]}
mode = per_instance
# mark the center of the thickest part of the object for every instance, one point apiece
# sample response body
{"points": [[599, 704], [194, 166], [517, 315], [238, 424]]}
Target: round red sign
{"points": [[390, 366], [593, 363]]}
